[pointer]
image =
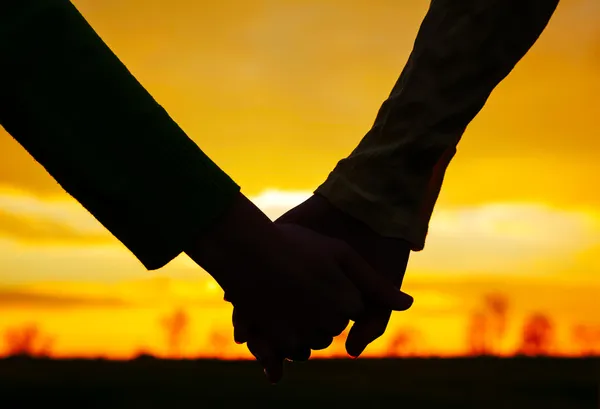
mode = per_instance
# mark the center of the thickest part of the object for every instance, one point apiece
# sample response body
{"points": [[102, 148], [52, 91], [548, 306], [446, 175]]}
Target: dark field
{"points": [[543, 383]]}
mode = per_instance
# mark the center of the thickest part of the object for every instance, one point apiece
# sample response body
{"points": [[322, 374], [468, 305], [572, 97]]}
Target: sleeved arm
{"points": [[68, 100], [463, 49]]}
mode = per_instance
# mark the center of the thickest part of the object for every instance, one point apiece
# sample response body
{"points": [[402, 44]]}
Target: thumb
{"points": [[367, 330], [375, 288], [398, 300], [241, 327]]}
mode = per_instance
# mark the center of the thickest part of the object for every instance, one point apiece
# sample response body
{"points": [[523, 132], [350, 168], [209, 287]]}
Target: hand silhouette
{"points": [[388, 257], [294, 287]]}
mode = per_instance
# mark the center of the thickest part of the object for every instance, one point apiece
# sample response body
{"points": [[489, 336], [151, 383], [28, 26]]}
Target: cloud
{"points": [[16, 298], [275, 203], [36, 230], [507, 238], [530, 239], [28, 218], [56, 237], [26, 263], [152, 292], [495, 238]]}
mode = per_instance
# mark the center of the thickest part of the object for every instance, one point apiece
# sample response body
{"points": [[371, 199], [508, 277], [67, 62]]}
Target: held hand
{"points": [[387, 256], [270, 345], [291, 285]]}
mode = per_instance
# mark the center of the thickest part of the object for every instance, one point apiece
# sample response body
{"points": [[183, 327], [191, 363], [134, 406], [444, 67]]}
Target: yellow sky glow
{"points": [[276, 93]]}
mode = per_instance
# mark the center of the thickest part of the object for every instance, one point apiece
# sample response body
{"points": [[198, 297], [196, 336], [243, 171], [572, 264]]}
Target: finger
{"points": [[285, 341], [321, 341], [301, 354], [376, 288], [349, 300], [283, 337], [241, 327], [287, 344], [366, 331], [320, 338], [268, 358], [336, 326]]}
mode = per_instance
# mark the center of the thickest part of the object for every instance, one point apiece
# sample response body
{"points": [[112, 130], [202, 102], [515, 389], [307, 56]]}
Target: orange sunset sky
{"points": [[276, 92]]}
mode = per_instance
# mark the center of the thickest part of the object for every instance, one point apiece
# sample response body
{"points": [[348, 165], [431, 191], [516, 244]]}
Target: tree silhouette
{"points": [[27, 340], [537, 335], [403, 343], [143, 352], [218, 343], [487, 325], [176, 327], [497, 307], [477, 334], [587, 339]]}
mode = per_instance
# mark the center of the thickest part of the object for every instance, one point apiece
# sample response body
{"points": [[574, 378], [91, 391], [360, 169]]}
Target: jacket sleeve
{"points": [[68, 100], [463, 49]]}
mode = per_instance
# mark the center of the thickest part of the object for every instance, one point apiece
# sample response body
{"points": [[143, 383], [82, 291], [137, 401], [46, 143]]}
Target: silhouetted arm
{"points": [[463, 49], [73, 105]]}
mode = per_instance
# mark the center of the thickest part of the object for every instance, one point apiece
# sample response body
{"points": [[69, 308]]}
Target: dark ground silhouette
{"points": [[482, 383]]}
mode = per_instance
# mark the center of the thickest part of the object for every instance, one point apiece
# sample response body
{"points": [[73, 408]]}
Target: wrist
{"points": [[241, 232], [388, 255]]}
